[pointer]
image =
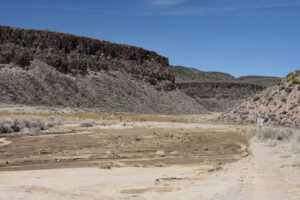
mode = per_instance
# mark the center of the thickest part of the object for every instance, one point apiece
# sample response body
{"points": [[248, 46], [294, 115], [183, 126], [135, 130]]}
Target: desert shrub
{"points": [[281, 87], [270, 99], [292, 75], [276, 82], [142, 119], [86, 124], [289, 90], [258, 92], [283, 99], [27, 125], [274, 134], [296, 81], [299, 87], [284, 112], [256, 98]]}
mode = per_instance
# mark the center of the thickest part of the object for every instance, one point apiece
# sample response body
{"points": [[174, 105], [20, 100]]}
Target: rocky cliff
{"points": [[218, 96], [75, 55], [186, 74], [56, 69], [218, 91]]}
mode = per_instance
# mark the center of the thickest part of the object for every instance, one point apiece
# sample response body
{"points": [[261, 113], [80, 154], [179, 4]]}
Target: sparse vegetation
{"points": [[282, 87], [86, 124], [276, 82], [24, 125], [256, 98], [274, 134], [258, 92], [270, 99], [289, 90], [266, 134], [296, 81], [283, 99], [125, 117]]}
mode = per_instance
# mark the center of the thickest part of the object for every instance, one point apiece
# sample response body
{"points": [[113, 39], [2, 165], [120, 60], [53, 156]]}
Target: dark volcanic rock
{"points": [[218, 96], [54, 69], [71, 54], [186, 74], [218, 91]]}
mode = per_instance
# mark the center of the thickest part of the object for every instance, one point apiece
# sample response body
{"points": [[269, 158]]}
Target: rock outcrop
{"points": [[70, 54], [55, 69], [186, 74], [218, 91], [218, 96], [278, 104]]}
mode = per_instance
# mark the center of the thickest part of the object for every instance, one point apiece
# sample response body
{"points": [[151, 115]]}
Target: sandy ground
{"points": [[142, 144], [267, 173], [4, 142], [259, 176]]}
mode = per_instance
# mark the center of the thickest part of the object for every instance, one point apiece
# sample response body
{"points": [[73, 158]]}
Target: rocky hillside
{"points": [[56, 69], [278, 104], [185, 74], [258, 80], [218, 91], [218, 96], [75, 55]]}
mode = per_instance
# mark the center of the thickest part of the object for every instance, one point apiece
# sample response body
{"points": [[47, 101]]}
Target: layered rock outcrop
{"points": [[218, 96], [55, 69], [70, 54]]}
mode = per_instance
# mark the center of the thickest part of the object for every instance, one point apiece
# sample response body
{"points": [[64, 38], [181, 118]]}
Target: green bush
{"points": [[258, 92], [289, 90], [296, 81], [282, 88], [292, 75], [276, 82], [270, 99], [283, 99], [256, 98]]}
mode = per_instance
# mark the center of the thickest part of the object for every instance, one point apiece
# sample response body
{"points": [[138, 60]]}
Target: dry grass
{"points": [[21, 124], [120, 117], [267, 134]]}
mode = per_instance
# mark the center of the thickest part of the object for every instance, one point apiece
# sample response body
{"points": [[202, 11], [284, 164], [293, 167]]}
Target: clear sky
{"points": [[241, 37]]}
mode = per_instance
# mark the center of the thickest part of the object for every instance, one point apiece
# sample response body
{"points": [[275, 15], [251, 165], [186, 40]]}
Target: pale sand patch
{"points": [[4, 142]]}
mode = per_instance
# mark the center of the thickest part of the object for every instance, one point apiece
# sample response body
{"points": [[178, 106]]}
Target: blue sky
{"points": [[241, 37]]}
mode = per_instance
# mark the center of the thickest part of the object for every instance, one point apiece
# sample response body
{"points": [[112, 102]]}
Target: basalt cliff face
{"points": [[218, 96], [218, 91], [56, 69], [75, 55]]}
